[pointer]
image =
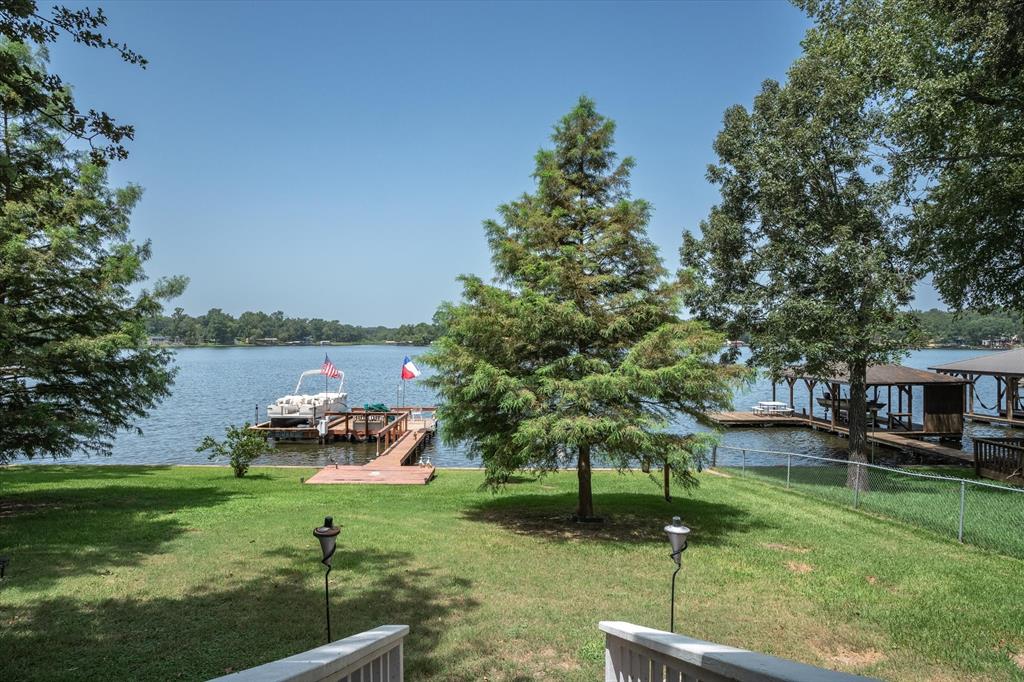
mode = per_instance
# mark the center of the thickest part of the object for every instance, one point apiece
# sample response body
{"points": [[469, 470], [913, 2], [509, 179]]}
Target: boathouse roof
{"points": [[884, 375], [1003, 363]]}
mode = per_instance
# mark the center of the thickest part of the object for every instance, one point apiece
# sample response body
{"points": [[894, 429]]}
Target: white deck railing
{"points": [[634, 653], [372, 656]]}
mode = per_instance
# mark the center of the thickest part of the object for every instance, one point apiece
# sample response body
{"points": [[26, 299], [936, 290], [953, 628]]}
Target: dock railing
{"points": [[634, 653], [999, 457], [388, 435], [977, 512], [375, 655]]}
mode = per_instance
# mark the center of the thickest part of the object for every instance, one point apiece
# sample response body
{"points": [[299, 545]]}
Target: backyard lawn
{"points": [[993, 514], [187, 573]]}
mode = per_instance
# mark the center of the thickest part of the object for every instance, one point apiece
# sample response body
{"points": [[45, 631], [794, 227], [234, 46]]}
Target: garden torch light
{"points": [[677, 536], [327, 534]]}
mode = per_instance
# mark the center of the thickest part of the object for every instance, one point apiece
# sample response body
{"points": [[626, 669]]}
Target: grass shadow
{"points": [[100, 528], [628, 517], [60, 473], [215, 631]]}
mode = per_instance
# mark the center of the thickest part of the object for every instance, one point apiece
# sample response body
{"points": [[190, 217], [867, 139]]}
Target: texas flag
{"points": [[409, 370]]}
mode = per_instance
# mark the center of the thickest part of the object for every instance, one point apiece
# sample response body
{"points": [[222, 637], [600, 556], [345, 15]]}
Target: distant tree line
{"points": [[968, 327], [219, 327]]}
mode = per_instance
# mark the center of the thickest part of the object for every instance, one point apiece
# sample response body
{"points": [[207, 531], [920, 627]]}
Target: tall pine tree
{"points": [[577, 351]]}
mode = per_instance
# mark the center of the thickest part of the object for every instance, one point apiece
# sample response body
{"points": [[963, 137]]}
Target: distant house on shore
{"points": [[266, 341]]}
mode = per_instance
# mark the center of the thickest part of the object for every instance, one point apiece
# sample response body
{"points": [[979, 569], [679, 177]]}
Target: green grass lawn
{"points": [[993, 517], [187, 573]]}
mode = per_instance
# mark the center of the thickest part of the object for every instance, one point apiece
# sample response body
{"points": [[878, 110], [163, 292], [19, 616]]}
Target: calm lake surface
{"points": [[220, 386]]}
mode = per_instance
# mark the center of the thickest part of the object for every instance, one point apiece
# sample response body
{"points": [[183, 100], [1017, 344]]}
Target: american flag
{"points": [[329, 369]]}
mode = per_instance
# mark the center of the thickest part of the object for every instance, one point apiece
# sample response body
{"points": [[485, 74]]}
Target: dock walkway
{"points": [[393, 466], [909, 442]]}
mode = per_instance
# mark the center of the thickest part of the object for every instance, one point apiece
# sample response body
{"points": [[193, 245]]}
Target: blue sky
{"points": [[336, 160]]}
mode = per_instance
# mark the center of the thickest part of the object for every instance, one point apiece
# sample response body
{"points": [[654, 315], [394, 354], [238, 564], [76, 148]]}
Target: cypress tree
{"points": [[576, 352]]}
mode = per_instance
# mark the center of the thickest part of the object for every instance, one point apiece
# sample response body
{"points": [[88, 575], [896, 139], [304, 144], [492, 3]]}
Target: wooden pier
{"points": [[398, 444], [393, 466], [359, 425], [908, 441]]}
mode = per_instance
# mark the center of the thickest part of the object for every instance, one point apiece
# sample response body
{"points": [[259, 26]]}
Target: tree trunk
{"points": [[666, 470], [645, 465], [585, 506], [857, 476]]}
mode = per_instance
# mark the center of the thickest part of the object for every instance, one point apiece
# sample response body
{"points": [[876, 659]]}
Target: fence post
{"points": [[856, 486], [743, 465], [789, 465], [714, 456], [960, 530]]}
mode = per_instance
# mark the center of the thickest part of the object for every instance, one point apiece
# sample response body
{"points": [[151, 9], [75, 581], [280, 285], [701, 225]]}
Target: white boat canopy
{"points": [[316, 372]]}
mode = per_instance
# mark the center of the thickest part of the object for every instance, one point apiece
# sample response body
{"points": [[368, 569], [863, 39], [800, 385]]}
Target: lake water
{"points": [[220, 386]]}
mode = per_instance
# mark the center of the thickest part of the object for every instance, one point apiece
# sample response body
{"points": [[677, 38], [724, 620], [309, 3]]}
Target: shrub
{"points": [[241, 446]]}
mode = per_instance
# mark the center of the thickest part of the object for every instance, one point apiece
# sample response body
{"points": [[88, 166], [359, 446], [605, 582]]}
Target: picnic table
{"points": [[772, 407]]}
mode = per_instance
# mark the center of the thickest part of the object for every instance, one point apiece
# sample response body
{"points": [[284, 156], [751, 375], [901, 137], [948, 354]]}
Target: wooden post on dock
{"points": [[810, 384], [834, 388]]}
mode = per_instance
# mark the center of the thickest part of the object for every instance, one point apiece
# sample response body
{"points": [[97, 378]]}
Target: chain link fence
{"points": [[972, 511]]}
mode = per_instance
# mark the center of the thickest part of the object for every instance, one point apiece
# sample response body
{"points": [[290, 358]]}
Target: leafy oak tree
{"points": [[576, 352], [946, 80], [806, 250], [75, 365]]}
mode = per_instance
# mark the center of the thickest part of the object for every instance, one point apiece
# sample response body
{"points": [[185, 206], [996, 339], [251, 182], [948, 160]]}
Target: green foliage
{"points": [[219, 327], [30, 91], [946, 82], [75, 365], [807, 250], [969, 327], [578, 350], [241, 445]]}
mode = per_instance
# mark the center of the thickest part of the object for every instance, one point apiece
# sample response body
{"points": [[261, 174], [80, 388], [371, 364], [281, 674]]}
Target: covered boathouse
{"points": [[942, 399], [1007, 368]]}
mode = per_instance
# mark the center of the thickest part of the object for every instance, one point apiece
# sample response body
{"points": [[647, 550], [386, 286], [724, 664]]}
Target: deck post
{"points": [[834, 388], [1012, 387], [714, 456], [743, 465], [789, 467], [910, 408], [960, 529]]}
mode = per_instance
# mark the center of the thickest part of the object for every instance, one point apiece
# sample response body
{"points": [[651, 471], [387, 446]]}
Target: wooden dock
{"points": [[910, 441], [395, 465], [740, 419], [357, 425]]}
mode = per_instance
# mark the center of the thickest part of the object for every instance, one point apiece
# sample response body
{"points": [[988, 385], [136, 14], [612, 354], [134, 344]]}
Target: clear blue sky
{"points": [[336, 160]]}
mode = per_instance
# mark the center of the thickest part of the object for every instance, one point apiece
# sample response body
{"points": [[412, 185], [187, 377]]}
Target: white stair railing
{"points": [[372, 656], [634, 653]]}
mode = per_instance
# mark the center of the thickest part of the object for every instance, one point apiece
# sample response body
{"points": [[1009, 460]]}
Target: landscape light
{"points": [[678, 536], [327, 534]]}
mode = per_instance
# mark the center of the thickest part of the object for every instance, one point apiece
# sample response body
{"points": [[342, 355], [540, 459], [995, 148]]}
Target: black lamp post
{"points": [[327, 534], [677, 536]]}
